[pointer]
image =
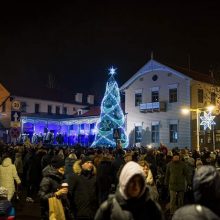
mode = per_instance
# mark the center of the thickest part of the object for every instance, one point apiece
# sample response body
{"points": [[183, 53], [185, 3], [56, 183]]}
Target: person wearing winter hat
{"points": [[176, 178], [53, 176], [7, 211], [206, 188], [83, 189], [132, 199]]}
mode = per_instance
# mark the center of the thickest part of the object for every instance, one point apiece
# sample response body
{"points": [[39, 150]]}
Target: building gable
{"points": [[150, 66]]}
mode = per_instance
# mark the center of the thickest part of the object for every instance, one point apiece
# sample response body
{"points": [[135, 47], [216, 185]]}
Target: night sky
{"points": [[78, 42]]}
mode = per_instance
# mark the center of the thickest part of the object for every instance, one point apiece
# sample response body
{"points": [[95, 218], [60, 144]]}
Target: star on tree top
{"points": [[112, 71]]}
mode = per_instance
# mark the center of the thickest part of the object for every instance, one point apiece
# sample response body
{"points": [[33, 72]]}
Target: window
{"points": [[49, 109], [138, 99], [57, 110], [200, 95], [173, 95], [64, 110], [217, 137], [213, 98], [155, 96], [23, 106], [155, 133], [138, 134], [173, 133], [37, 108]]}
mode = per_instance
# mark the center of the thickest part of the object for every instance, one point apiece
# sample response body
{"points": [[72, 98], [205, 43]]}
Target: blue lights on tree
{"points": [[111, 116]]}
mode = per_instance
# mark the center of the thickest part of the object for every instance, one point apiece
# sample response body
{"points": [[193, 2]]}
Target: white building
{"points": [[154, 97], [45, 111]]}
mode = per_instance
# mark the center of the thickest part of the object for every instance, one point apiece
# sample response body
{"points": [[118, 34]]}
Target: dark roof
{"points": [[44, 93], [93, 111], [96, 110], [198, 76]]}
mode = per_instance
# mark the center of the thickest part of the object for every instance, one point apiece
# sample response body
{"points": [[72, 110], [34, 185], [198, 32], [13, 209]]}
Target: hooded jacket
{"points": [[8, 174], [49, 184], [206, 188], [120, 207]]}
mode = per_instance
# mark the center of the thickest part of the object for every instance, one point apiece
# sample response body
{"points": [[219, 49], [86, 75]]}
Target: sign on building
{"points": [[16, 105]]}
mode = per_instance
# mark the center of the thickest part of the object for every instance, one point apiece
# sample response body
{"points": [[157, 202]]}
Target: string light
{"points": [[111, 116]]}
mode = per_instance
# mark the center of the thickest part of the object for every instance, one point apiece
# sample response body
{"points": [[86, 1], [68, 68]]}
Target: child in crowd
{"points": [[7, 211]]}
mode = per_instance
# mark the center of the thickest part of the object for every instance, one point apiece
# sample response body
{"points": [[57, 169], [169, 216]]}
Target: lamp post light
{"points": [[207, 121]]}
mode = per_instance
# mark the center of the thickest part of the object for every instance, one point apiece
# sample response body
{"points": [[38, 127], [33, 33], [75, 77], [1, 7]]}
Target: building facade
{"points": [[154, 99], [48, 120]]}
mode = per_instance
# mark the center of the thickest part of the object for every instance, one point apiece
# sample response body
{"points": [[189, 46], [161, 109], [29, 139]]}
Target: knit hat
{"points": [[3, 192], [86, 159], [57, 161]]}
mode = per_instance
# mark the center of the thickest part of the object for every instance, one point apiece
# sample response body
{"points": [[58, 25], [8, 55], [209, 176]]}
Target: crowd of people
{"points": [[111, 183]]}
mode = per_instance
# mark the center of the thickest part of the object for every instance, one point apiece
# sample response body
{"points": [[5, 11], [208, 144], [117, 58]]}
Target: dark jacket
{"points": [[206, 187], [49, 184], [176, 176], [83, 192], [121, 207], [104, 179]]}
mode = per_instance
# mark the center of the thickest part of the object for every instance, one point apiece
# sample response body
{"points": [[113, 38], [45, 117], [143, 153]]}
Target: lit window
{"points": [[173, 133], [138, 134], [155, 96], [155, 133]]}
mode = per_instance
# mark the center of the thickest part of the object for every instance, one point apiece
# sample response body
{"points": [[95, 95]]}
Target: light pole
{"points": [[197, 130]]}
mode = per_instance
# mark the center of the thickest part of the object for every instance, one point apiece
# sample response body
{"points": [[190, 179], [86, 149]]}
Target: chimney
{"points": [[78, 97], [90, 99]]}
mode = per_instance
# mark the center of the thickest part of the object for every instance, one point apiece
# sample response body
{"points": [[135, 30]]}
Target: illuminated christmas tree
{"points": [[111, 116]]}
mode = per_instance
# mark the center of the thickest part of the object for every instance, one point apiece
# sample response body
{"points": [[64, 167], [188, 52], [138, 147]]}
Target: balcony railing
{"points": [[153, 107]]}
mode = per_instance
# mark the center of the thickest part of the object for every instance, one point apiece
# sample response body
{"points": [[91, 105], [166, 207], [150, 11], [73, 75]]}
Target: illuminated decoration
{"points": [[79, 130], [207, 120], [111, 116]]}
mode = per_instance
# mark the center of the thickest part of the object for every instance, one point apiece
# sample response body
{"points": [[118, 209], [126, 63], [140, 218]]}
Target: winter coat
{"points": [[120, 207], [104, 179], [176, 176], [8, 174], [206, 188], [32, 169], [83, 192], [49, 184]]}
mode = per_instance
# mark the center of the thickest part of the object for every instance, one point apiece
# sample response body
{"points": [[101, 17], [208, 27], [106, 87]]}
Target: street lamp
{"points": [[204, 122]]}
